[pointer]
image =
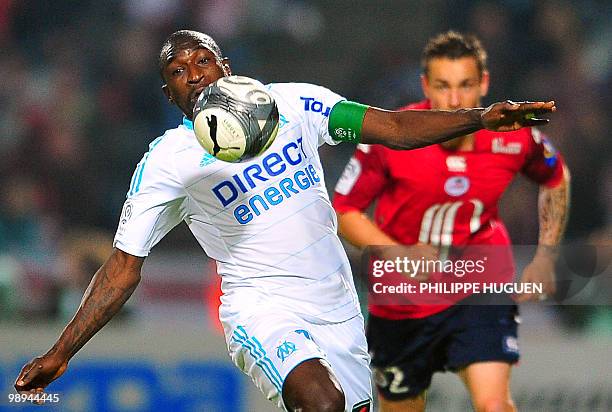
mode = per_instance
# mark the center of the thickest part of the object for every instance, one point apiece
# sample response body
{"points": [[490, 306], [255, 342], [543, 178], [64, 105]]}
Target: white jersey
{"points": [[268, 222]]}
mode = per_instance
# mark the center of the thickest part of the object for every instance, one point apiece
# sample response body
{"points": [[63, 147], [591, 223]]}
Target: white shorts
{"points": [[267, 346]]}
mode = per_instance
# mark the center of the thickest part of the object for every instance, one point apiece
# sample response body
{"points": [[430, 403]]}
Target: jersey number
{"points": [[398, 378]]}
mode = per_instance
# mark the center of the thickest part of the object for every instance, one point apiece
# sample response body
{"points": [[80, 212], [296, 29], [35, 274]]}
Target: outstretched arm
{"points": [[553, 208], [411, 129], [108, 290]]}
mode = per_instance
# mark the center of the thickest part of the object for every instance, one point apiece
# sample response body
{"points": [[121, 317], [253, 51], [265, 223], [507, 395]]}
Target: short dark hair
{"points": [[453, 45], [185, 39]]}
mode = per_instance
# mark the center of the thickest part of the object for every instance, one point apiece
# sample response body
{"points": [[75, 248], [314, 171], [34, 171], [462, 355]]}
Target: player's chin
{"points": [[188, 107]]}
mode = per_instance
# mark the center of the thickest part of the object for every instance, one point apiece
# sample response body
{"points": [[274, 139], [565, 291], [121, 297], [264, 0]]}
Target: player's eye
{"points": [[204, 60], [177, 71]]}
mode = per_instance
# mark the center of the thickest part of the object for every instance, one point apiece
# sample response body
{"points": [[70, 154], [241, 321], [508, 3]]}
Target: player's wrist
{"points": [[547, 252], [60, 352], [478, 118]]}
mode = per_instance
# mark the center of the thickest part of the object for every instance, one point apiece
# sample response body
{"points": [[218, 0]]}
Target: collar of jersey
{"points": [[187, 123]]}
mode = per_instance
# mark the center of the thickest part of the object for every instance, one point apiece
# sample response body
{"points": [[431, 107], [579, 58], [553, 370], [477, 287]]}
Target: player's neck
{"points": [[460, 144]]}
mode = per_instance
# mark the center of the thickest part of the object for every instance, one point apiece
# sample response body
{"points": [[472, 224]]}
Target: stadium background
{"points": [[80, 101]]}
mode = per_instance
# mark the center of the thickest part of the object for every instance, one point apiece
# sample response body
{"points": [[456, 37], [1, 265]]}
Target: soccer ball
{"points": [[235, 119]]}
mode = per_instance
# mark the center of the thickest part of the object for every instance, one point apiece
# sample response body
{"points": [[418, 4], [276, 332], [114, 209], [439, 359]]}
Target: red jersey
{"points": [[444, 197]]}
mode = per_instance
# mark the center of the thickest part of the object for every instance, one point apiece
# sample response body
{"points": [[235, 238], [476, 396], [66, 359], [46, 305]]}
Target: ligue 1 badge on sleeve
{"points": [[126, 215]]}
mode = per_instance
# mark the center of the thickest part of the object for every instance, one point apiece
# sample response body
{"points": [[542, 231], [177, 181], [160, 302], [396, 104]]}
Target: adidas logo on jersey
{"points": [[207, 159]]}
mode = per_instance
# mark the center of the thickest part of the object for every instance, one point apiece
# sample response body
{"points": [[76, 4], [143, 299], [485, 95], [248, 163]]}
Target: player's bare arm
{"points": [[553, 211], [108, 290], [553, 207], [356, 227], [417, 128]]}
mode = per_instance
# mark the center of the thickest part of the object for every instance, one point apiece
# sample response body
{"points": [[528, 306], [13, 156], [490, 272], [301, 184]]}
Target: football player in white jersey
{"points": [[289, 307]]}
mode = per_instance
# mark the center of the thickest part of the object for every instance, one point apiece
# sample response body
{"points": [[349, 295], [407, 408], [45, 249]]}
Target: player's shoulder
{"points": [[299, 101], [294, 87], [166, 141], [303, 94], [171, 142]]}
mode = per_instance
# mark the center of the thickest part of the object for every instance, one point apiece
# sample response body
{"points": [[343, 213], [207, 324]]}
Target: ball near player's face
{"points": [[188, 73]]}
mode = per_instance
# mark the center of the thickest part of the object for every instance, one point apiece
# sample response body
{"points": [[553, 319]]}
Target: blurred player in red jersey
{"points": [[445, 196]]}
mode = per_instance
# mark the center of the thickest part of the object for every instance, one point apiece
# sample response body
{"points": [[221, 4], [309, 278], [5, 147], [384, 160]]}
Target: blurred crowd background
{"points": [[80, 101]]}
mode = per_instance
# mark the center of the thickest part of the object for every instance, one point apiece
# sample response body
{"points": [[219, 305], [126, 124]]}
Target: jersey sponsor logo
{"points": [[349, 177], [457, 185], [438, 222], [313, 105], [272, 165], [285, 349], [255, 175], [498, 146], [275, 195], [456, 164]]}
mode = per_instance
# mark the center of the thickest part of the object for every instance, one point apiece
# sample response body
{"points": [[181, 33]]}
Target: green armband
{"points": [[345, 121]]}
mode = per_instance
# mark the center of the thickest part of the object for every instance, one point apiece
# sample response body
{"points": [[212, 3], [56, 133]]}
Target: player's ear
{"points": [[167, 93], [225, 65], [484, 83], [425, 85]]}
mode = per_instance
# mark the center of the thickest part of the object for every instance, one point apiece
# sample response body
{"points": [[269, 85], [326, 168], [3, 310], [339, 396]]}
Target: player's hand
{"points": [[507, 116], [540, 270], [419, 252], [37, 374], [426, 253]]}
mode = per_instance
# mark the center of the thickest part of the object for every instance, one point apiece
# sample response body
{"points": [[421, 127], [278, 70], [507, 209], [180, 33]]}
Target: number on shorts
{"points": [[398, 378]]}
